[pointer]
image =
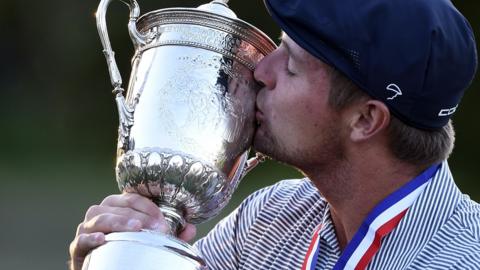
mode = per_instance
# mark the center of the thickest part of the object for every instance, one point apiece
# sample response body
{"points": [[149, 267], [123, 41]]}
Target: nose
{"points": [[263, 73]]}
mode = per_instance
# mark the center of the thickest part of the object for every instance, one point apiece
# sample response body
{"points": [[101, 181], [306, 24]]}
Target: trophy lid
{"points": [[219, 7]]}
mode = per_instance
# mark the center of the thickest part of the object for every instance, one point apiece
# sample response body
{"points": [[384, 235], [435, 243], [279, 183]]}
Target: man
{"points": [[358, 97]]}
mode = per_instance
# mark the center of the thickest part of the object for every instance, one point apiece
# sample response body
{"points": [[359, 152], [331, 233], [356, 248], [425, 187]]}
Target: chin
{"points": [[262, 145], [267, 146], [264, 142], [258, 145]]}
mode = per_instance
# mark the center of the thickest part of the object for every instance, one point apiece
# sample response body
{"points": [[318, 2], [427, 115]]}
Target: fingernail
{"points": [[159, 227], [134, 224]]}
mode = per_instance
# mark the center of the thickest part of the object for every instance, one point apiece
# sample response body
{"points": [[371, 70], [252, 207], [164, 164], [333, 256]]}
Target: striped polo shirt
{"points": [[273, 227]]}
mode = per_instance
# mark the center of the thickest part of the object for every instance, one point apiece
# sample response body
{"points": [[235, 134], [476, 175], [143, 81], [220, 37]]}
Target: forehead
{"points": [[300, 55], [292, 46]]}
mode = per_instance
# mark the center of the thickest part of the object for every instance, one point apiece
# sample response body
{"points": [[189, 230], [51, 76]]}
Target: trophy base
{"points": [[144, 250]]}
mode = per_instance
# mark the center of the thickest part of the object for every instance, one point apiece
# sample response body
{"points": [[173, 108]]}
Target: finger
{"points": [[81, 245], [133, 201], [146, 220], [188, 233], [107, 223]]}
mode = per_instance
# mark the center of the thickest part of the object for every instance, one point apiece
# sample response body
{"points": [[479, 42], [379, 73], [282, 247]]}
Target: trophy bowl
{"points": [[186, 123]]}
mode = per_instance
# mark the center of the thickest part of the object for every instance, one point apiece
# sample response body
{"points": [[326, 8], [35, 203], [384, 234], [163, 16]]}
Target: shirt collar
{"points": [[435, 205], [440, 196], [328, 233]]}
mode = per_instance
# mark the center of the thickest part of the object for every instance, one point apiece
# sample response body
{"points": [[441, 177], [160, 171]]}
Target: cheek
{"points": [[302, 109], [296, 105], [292, 117]]}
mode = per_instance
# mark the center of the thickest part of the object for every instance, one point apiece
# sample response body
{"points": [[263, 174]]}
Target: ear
{"points": [[368, 119]]}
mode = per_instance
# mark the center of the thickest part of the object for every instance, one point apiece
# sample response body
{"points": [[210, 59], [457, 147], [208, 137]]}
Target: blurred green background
{"points": [[58, 123]]}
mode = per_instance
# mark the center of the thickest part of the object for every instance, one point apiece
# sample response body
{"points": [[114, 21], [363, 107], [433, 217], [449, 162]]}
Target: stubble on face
{"points": [[324, 154]]}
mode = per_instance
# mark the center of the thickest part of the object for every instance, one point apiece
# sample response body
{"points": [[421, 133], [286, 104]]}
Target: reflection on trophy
{"points": [[186, 124]]}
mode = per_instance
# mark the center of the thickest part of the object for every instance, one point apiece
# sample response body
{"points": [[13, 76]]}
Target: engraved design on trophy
{"points": [[185, 126]]}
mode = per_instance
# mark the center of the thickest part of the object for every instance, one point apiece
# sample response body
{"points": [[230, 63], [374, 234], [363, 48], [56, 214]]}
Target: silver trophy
{"points": [[186, 124]]}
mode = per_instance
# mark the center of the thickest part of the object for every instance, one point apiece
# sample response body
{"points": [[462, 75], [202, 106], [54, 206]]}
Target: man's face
{"points": [[296, 124]]}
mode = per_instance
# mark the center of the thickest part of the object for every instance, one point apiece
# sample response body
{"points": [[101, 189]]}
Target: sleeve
{"points": [[223, 245]]}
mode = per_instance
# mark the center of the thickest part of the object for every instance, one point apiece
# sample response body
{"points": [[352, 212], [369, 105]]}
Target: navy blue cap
{"points": [[417, 56]]}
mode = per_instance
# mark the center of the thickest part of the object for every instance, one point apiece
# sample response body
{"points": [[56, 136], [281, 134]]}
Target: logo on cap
{"points": [[394, 88], [447, 112]]}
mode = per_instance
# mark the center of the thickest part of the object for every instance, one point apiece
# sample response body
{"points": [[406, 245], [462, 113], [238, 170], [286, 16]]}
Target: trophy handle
{"points": [[137, 38], [125, 113]]}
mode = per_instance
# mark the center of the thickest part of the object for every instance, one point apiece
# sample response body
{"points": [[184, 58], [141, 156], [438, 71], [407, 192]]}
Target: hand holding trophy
{"points": [[186, 124]]}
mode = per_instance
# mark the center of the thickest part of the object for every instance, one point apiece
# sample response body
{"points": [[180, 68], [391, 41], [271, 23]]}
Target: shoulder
{"points": [[274, 205], [461, 241], [288, 186], [283, 208], [457, 243], [466, 217], [285, 192], [247, 231]]}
